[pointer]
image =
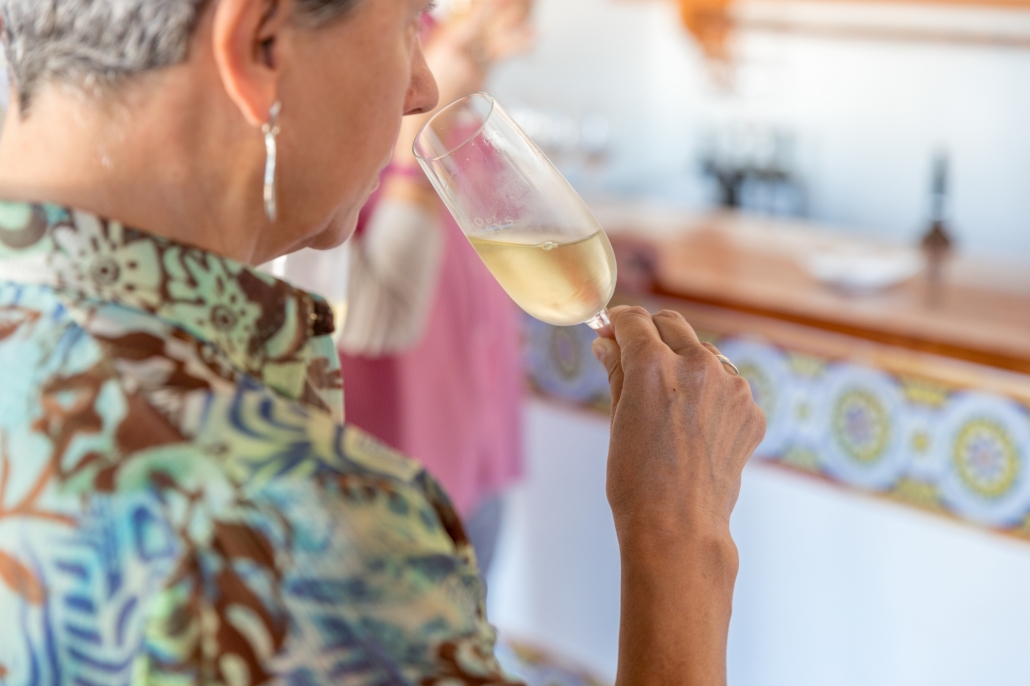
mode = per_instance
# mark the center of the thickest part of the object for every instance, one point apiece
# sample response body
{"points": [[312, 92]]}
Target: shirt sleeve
{"points": [[393, 273]]}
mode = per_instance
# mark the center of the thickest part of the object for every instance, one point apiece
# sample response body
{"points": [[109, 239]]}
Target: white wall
{"points": [[867, 115], [835, 588]]}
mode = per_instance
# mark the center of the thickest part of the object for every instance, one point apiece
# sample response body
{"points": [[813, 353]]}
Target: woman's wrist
{"points": [[660, 549], [677, 599]]}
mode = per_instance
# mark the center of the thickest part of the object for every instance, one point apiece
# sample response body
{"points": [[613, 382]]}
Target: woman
{"points": [[178, 503], [430, 348]]}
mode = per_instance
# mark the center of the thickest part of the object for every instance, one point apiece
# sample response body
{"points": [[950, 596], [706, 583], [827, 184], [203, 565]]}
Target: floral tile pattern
{"points": [[956, 451]]}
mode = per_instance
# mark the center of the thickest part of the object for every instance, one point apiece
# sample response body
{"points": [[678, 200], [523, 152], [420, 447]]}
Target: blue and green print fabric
{"points": [[180, 500]]}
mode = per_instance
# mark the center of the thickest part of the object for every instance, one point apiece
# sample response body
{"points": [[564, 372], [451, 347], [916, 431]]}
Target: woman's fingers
{"points": [[634, 328], [676, 332], [682, 339], [711, 348], [634, 337], [607, 351]]}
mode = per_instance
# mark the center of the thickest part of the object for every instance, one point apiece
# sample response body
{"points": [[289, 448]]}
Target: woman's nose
{"points": [[423, 95]]}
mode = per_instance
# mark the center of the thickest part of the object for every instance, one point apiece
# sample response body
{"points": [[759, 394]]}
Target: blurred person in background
{"points": [[430, 348], [180, 500]]}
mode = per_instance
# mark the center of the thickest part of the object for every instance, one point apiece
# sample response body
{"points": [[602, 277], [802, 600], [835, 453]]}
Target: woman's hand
{"points": [[683, 427]]}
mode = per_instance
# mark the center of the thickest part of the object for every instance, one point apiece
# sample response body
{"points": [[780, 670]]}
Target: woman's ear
{"points": [[247, 46]]}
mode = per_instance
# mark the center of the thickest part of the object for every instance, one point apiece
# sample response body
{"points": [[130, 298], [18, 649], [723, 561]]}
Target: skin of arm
{"points": [[676, 605], [682, 430]]}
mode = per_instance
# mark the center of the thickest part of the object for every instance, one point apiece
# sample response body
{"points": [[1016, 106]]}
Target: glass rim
{"points": [[452, 150]]}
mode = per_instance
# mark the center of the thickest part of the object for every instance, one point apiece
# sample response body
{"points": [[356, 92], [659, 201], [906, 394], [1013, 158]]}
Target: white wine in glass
{"points": [[531, 229], [558, 282]]}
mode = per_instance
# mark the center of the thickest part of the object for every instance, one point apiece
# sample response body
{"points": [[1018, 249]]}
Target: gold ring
{"points": [[730, 367]]}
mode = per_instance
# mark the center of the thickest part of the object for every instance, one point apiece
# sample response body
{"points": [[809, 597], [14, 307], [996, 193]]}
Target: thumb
{"points": [[607, 351]]}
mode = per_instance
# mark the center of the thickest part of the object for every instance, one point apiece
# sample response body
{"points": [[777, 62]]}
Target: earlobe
{"points": [[245, 40]]}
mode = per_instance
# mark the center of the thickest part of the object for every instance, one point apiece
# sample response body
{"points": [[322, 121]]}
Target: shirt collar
{"points": [[262, 324]]}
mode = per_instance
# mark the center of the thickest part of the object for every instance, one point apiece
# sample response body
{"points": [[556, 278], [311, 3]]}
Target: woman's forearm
{"points": [[676, 604]]}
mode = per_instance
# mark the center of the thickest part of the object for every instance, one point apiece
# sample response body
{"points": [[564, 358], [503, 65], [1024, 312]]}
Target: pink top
{"points": [[454, 401]]}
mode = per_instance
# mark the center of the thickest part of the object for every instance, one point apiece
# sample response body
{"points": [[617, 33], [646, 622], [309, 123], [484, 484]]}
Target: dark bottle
{"points": [[937, 243]]}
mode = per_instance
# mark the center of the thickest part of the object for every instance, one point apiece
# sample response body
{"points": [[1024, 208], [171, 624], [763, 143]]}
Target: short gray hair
{"points": [[98, 42]]}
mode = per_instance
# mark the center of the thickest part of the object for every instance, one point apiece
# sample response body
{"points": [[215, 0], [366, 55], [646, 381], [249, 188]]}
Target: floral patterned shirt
{"points": [[180, 502]]}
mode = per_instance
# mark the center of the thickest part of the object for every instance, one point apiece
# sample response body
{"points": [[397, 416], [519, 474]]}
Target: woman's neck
{"points": [[145, 157]]}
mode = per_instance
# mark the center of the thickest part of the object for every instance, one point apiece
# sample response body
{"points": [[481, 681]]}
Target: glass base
{"points": [[600, 320]]}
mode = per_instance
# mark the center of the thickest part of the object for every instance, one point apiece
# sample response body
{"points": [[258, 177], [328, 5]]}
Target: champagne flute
{"points": [[531, 229]]}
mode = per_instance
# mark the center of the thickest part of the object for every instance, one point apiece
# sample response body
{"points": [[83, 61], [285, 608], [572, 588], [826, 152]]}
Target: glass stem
{"points": [[600, 320]]}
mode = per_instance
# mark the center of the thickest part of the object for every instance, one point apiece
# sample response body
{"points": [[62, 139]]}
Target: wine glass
{"points": [[531, 229]]}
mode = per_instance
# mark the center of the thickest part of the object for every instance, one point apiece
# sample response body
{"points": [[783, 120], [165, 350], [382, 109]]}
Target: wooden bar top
{"points": [[980, 311]]}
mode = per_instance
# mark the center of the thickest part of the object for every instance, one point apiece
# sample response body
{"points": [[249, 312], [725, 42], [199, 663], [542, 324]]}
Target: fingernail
{"points": [[602, 349]]}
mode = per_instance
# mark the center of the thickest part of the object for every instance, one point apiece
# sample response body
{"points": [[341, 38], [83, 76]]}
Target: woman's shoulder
{"points": [[129, 383], [232, 516]]}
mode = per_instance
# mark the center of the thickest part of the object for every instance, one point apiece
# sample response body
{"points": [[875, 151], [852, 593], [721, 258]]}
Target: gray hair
{"points": [[98, 42]]}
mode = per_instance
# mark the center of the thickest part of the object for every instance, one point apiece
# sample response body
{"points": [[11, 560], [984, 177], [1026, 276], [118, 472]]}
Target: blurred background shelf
{"points": [[713, 22], [979, 311]]}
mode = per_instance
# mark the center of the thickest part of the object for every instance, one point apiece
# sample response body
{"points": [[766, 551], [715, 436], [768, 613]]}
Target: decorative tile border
{"points": [[960, 452]]}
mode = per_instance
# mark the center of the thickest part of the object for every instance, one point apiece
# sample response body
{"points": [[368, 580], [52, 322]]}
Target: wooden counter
{"points": [[980, 312]]}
